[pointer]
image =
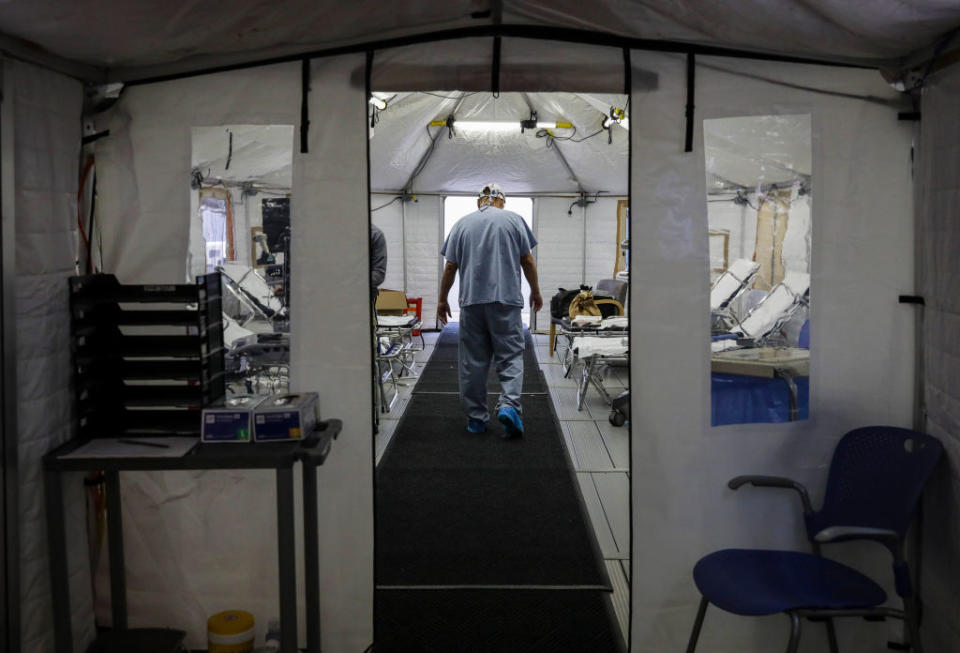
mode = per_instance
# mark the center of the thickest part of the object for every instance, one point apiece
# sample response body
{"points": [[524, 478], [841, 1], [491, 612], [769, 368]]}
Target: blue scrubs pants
{"points": [[490, 332]]}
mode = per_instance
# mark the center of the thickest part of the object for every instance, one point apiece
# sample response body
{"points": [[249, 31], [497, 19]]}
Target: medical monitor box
{"points": [[230, 419], [282, 417], [391, 302]]}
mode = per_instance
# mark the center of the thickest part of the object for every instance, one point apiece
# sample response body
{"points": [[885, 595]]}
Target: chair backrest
{"points": [[733, 281], [876, 477], [615, 288]]}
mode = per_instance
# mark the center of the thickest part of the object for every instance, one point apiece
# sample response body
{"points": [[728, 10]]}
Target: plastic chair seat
{"points": [[761, 582]]}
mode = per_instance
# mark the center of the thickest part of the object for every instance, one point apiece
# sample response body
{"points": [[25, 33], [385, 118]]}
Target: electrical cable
{"points": [[83, 182], [93, 213], [229, 151], [383, 206], [447, 97]]}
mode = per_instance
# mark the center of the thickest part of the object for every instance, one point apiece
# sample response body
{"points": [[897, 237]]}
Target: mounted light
{"points": [[503, 126], [379, 103], [616, 117]]}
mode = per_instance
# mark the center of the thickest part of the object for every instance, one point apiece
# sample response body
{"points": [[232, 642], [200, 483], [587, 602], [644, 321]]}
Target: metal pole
{"points": [[10, 544], [403, 240]]}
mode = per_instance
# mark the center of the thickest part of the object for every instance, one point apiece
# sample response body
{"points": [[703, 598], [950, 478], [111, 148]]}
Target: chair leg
{"points": [[832, 636], [553, 338], [697, 625], [794, 633], [913, 624]]}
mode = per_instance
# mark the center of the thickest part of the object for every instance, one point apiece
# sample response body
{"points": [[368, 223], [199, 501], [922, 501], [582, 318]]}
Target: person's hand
{"points": [[443, 311], [536, 301]]}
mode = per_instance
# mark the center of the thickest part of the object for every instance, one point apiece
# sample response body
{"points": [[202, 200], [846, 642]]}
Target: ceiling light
{"points": [[378, 102], [616, 117], [497, 125]]}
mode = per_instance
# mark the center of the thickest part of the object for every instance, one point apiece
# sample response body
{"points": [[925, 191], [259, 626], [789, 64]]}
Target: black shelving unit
{"points": [[147, 358]]}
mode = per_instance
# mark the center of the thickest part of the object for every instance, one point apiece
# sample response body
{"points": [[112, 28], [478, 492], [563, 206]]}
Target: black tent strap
{"points": [[627, 73], [691, 85], [538, 32], [305, 104], [495, 73]]}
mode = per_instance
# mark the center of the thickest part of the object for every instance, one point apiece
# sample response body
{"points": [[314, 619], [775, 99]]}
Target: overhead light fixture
{"points": [[499, 125], [616, 117], [379, 103]]}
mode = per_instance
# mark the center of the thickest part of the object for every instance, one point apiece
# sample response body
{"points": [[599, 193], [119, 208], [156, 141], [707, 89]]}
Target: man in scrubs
{"points": [[489, 248]]}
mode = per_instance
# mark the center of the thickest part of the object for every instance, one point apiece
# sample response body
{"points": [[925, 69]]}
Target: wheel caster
{"points": [[617, 418]]}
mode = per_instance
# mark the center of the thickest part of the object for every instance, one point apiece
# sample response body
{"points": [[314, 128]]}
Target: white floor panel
{"points": [[565, 403], [554, 376], [617, 441], [621, 595], [614, 493], [608, 545], [591, 453]]}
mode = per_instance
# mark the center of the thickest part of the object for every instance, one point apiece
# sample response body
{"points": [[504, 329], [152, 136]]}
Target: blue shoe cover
{"points": [[512, 424], [476, 426]]}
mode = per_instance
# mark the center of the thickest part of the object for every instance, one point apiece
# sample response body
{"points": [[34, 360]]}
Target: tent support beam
{"points": [[304, 105], [691, 86], [136, 76]]}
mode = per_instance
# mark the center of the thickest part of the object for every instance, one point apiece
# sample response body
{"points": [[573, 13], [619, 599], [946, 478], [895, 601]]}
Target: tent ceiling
{"points": [[754, 150], [259, 153], [521, 163], [119, 34]]}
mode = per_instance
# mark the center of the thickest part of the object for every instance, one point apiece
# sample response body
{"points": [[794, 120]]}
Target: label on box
{"points": [[278, 426], [226, 427]]}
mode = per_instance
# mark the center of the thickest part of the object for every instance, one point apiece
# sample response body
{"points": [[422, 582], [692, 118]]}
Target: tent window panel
{"points": [[217, 231], [758, 208]]}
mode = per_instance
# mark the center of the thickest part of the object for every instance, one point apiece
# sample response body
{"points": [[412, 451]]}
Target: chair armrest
{"points": [[774, 481], [841, 533]]}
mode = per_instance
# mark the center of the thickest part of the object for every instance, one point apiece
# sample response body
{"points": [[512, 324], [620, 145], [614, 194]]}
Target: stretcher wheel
{"points": [[617, 418]]}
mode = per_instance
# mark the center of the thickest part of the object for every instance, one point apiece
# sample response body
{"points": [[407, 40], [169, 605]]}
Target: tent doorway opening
{"points": [[455, 208], [561, 159]]}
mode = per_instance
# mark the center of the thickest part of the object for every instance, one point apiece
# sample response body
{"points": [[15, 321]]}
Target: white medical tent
{"points": [[882, 90]]}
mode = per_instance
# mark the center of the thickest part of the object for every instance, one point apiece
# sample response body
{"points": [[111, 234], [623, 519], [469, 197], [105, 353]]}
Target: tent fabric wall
{"points": [[180, 528], [939, 268], [46, 109], [861, 365], [331, 289]]}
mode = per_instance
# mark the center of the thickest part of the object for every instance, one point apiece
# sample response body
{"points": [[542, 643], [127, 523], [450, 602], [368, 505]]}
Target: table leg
{"points": [[311, 556], [118, 576], [59, 578], [286, 552], [793, 393]]}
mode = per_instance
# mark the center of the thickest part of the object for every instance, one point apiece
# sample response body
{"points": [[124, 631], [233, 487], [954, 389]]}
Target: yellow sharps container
{"points": [[230, 631]]}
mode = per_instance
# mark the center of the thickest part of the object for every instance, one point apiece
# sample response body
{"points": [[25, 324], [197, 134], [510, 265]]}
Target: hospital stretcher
{"points": [[594, 347], [396, 351]]}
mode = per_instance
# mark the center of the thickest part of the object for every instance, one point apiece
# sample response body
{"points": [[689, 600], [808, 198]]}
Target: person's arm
{"points": [[378, 259], [529, 268], [446, 282]]}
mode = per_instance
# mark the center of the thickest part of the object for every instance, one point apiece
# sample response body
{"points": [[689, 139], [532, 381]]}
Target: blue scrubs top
{"points": [[486, 246]]}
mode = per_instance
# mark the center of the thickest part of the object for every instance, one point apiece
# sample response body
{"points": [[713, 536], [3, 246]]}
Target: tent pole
{"points": [[537, 32], [9, 433], [403, 241]]}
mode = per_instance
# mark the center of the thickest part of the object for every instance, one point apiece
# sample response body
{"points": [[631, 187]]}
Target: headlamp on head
{"points": [[492, 192]]}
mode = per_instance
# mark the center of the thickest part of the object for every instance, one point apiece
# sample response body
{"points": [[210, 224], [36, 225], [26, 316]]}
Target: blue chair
{"points": [[876, 477]]}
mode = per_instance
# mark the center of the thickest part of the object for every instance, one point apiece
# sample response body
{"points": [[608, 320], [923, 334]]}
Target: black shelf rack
{"points": [[147, 358]]}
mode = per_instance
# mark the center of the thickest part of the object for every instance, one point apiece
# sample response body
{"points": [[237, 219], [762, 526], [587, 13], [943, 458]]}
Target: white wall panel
{"points": [[601, 235], [424, 228], [331, 243], [389, 219], [559, 249], [861, 356]]}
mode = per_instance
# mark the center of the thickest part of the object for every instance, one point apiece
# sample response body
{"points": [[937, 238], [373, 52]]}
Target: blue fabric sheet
{"points": [[738, 399]]}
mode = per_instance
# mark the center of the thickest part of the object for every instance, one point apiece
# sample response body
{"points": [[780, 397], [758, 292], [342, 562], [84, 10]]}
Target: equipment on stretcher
{"points": [[595, 347], [396, 352], [734, 281], [765, 320]]}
